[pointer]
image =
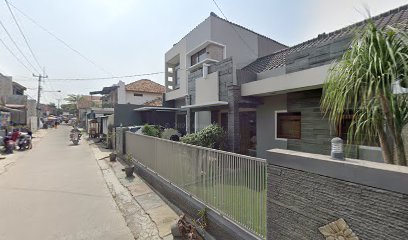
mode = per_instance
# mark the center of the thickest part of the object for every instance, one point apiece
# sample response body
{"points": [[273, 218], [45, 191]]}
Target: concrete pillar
{"points": [[188, 116], [234, 135]]}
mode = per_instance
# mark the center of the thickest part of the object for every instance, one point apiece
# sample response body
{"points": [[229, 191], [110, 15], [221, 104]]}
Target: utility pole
{"points": [[39, 97]]}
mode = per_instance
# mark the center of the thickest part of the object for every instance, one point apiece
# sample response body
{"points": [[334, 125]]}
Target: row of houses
{"points": [[264, 93], [15, 107]]}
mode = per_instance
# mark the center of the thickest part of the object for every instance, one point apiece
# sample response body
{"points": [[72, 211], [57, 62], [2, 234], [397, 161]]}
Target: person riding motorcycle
{"points": [[75, 132]]}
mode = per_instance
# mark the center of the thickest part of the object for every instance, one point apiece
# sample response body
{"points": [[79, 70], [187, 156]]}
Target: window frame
{"points": [[278, 136], [196, 56]]}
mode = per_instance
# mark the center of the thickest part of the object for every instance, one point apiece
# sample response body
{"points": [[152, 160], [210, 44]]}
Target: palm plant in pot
{"points": [[129, 168]]}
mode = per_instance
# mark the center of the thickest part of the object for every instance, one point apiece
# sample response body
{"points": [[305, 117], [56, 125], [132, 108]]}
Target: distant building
{"points": [[12, 99], [141, 92]]}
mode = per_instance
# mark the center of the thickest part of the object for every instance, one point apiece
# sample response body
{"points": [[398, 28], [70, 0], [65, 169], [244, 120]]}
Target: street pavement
{"points": [[57, 191]]}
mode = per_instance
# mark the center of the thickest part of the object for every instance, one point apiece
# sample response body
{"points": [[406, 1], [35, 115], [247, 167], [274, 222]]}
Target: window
{"points": [[138, 94], [198, 57], [177, 76], [288, 125]]}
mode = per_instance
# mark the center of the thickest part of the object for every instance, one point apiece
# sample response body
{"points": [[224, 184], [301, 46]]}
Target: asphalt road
{"points": [[57, 191]]}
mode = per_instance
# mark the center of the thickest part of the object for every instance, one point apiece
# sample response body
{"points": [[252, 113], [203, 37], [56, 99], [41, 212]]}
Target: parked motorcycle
{"points": [[24, 142], [9, 144]]}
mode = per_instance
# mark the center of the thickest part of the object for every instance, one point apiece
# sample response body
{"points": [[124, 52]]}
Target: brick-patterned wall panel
{"points": [[298, 203]]}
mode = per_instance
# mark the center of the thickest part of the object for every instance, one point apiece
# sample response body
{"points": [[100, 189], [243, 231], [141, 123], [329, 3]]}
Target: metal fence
{"points": [[232, 184]]}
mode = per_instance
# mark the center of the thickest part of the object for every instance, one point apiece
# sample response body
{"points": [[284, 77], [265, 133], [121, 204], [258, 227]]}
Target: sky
{"points": [[127, 37]]}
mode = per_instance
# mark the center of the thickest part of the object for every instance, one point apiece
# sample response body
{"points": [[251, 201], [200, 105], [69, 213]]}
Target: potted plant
{"points": [[129, 168], [112, 156]]}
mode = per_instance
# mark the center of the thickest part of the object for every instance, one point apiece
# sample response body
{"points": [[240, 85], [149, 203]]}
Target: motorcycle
{"points": [[9, 144], [24, 142], [75, 136]]}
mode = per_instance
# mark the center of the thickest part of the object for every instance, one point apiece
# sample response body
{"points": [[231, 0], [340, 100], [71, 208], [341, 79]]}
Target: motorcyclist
{"points": [[15, 135]]}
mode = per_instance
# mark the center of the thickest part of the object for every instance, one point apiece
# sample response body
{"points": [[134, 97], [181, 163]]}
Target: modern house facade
{"points": [[289, 83], [272, 102], [201, 75]]}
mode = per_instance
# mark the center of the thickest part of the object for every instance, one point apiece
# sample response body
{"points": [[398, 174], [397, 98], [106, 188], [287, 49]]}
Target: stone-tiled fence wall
{"points": [[308, 191]]}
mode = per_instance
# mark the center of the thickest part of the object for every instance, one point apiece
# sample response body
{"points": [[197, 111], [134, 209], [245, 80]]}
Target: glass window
{"points": [[138, 94], [199, 56], [288, 125]]}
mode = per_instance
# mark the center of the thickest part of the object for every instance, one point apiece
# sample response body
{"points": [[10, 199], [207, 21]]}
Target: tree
{"points": [[73, 98], [361, 82]]}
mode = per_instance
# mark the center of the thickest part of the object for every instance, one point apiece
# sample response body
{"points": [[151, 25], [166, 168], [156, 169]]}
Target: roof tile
{"points": [[145, 85], [277, 59]]}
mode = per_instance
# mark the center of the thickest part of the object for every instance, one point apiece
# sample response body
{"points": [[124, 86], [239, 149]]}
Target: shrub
{"points": [[211, 136], [150, 130], [168, 132]]}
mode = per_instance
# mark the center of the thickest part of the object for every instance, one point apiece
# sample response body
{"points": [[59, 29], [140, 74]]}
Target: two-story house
{"points": [[202, 74], [272, 101], [12, 97]]}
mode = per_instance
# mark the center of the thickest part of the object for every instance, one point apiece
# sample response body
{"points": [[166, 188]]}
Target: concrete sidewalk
{"points": [[147, 215]]}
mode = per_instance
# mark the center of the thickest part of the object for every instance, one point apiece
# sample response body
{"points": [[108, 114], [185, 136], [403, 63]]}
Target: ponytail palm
{"points": [[361, 82]]}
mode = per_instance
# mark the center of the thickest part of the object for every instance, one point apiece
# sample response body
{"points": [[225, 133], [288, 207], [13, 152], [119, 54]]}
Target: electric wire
{"points": [[104, 78], [236, 31], [61, 41], [18, 48], [15, 56], [22, 34]]}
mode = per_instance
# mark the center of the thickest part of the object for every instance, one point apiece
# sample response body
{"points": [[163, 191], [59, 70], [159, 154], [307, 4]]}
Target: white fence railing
{"points": [[233, 184]]}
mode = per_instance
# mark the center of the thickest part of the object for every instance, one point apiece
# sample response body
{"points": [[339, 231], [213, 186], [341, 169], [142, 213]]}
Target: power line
{"points": [[22, 34], [11, 52], [104, 78], [236, 31], [61, 41], [15, 44]]}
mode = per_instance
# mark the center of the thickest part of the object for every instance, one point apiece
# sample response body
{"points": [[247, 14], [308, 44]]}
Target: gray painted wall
{"points": [[265, 124], [126, 116]]}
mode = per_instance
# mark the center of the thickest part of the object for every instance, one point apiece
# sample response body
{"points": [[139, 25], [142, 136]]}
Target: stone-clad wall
{"points": [[317, 56], [315, 133], [225, 79], [299, 201]]}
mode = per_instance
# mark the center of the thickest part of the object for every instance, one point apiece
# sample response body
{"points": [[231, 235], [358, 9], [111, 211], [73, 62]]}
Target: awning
{"points": [[158, 109], [16, 106], [9, 109], [205, 105]]}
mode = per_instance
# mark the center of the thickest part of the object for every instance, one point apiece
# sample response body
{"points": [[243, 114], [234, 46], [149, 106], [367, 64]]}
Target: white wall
{"points": [[207, 89], [121, 93], [130, 98]]}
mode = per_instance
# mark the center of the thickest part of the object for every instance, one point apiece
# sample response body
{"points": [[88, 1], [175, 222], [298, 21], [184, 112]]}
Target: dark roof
{"points": [[277, 59], [105, 90]]}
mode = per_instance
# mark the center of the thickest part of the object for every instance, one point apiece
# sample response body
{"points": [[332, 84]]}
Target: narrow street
{"points": [[57, 191]]}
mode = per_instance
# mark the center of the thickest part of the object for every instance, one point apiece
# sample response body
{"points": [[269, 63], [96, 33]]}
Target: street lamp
{"points": [[51, 91]]}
